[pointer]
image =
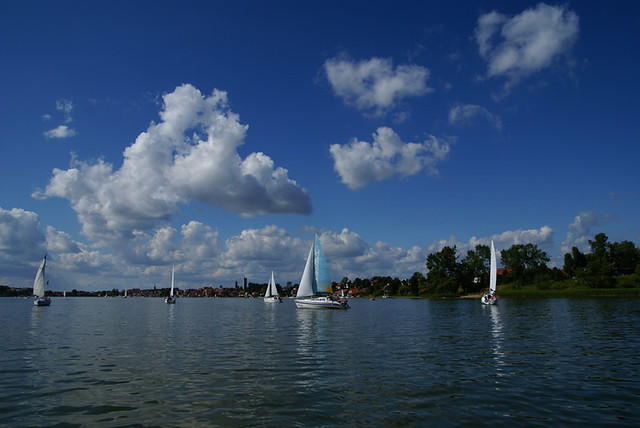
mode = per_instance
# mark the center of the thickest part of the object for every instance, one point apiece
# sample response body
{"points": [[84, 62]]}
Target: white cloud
{"points": [[62, 131], [464, 114], [190, 155], [580, 231], [516, 47], [542, 237], [374, 85], [60, 242], [343, 244], [20, 234], [351, 257], [360, 162], [66, 107]]}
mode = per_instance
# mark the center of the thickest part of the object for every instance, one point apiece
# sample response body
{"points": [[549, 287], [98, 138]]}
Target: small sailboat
{"points": [[271, 294], [491, 298], [313, 291], [38, 286], [171, 299]]}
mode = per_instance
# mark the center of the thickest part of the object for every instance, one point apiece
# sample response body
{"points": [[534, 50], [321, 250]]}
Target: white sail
{"points": [[493, 273], [272, 290], [173, 274], [306, 288], [38, 282]]}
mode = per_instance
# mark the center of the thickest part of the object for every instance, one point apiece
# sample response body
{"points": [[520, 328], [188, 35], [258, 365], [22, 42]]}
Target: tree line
{"points": [[607, 265]]}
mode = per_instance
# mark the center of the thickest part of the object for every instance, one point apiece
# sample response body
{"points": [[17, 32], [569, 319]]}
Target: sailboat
{"points": [[38, 286], [314, 289], [271, 295], [171, 299], [491, 298]]}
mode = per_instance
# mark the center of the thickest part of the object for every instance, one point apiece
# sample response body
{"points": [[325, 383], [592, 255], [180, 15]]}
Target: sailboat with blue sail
{"points": [[315, 288]]}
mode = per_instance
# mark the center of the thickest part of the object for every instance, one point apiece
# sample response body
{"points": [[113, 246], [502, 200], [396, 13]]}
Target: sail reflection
{"points": [[312, 345], [497, 336]]}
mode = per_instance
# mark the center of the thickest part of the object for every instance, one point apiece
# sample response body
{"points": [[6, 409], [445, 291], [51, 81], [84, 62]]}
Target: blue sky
{"points": [[219, 136]]}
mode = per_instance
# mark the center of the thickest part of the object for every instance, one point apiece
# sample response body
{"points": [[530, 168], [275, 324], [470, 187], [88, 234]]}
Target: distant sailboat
{"points": [[38, 286], [491, 298], [314, 288], [125, 293], [271, 295], [172, 298]]}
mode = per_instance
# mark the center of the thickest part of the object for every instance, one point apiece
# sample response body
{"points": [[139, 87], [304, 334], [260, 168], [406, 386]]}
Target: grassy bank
{"points": [[565, 289]]}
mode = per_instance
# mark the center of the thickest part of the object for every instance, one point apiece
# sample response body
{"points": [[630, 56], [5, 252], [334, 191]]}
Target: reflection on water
{"points": [[497, 338], [389, 362]]}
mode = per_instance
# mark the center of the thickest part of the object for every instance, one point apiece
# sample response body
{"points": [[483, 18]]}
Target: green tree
{"points": [[574, 262], [443, 271], [474, 269], [525, 262], [599, 272], [417, 283], [624, 257]]}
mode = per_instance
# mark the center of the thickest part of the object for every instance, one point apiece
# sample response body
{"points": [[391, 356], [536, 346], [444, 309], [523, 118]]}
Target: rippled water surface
{"points": [[388, 362]]}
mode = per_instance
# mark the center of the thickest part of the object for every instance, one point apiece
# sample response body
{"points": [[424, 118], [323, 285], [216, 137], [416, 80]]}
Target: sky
{"points": [[219, 136]]}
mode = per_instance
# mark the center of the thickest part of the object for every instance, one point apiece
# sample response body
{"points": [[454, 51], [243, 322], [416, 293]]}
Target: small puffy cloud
{"points": [[359, 162], [580, 231], [343, 244], [66, 107], [465, 114], [191, 154], [62, 131], [516, 47], [374, 85]]}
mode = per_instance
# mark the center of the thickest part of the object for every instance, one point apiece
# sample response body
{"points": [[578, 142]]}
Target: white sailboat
{"points": [[171, 299], [313, 291], [271, 295], [491, 298], [38, 286]]}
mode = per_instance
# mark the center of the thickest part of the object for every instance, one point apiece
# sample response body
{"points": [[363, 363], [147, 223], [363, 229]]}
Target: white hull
{"points": [[488, 299], [170, 300], [321, 303], [42, 301], [272, 299]]}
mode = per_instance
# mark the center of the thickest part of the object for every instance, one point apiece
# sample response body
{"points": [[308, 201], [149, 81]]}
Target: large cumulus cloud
{"points": [[190, 155]]}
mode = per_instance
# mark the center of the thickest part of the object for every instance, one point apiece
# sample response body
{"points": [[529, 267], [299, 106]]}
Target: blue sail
{"points": [[322, 283]]}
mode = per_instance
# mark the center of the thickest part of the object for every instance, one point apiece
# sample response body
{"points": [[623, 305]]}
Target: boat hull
{"points": [[42, 301], [321, 303], [170, 300], [488, 299], [272, 299]]}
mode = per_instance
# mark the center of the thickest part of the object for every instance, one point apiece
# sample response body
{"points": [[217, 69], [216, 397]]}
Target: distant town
{"points": [[246, 289]]}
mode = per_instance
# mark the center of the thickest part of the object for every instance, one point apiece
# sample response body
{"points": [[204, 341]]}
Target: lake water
{"points": [[389, 362]]}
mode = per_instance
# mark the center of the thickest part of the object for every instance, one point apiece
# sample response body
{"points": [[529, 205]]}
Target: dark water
{"points": [[241, 362]]}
